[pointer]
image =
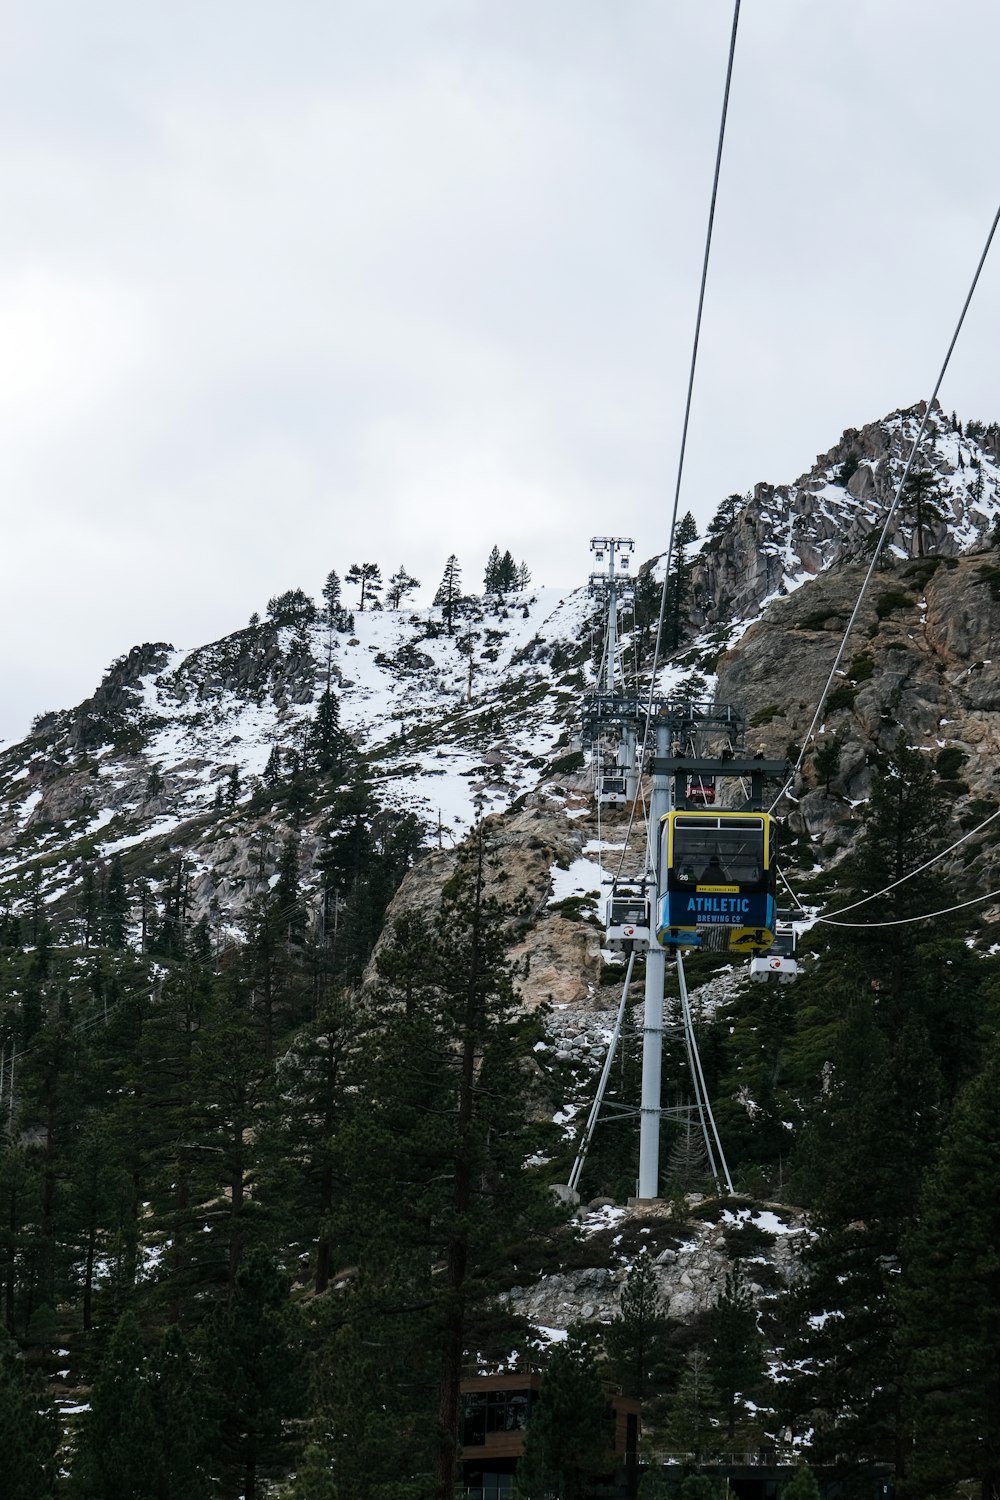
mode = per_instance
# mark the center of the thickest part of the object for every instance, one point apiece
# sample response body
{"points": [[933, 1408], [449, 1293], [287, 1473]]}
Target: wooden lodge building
{"points": [[495, 1413]]}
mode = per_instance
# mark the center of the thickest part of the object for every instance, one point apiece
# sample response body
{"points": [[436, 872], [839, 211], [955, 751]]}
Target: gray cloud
{"points": [[282, 288]]}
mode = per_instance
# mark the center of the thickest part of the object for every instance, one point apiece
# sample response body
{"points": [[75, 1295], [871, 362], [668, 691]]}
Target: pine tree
{"points": [[30, 1431], [826, 762], [233, 1076], [802, 1485], [179, 1445], [288, 896], [95, 1187], [331, 594], [20, 1207], [165, 1124], [725, 515], [507, 574], [372, 1418], [444, 1075], [653, 1483], [272, 770], [907, 816], [949, 1298], [491, 577], [523, 577], [646, 609], [325, 742], [735, 1348], [569, 1436], [920, 499], [637, 1341], [348, 858], [978, 482], [449, 592], [369, 576], [337, 617], [36, 917], [304, 1173], [687, 1163], [233, 787], [116, 906], [868, 1140], [688, 1429], [253, 1368], [111, 1461], [679, 580], [400, 584], [51, 1074], [291, 608], [364, 856], [900, 1034], [88, 905]]}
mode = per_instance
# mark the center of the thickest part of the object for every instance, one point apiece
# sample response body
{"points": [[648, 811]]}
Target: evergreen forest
{"points": [[270, 1190], [256, 1223]]}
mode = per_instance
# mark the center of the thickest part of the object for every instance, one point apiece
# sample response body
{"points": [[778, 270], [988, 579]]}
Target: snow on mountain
{"points": [[167, 760], [779, 536], [444, 725]]}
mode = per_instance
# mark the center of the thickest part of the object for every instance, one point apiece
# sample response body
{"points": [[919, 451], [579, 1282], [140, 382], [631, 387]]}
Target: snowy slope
{"points": [[444, 725]]}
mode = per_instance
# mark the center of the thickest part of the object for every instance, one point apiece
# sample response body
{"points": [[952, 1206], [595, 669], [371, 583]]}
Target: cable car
{"points": [[628, 920], [612, 787], [779, 961], [701, 789], [717, 881]]}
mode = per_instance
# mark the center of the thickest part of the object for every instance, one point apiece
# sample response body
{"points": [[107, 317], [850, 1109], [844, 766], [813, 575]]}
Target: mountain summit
{"points": [[193, 769]]}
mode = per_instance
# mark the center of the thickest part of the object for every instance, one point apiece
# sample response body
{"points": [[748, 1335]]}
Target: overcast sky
{"points": [[284, 287]]}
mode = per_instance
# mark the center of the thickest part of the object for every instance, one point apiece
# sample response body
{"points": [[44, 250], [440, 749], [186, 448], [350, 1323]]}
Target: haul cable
{"points": [[687, 417]]}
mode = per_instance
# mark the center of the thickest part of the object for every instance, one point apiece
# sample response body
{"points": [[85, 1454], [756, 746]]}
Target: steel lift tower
{"points": [[670, 731]]}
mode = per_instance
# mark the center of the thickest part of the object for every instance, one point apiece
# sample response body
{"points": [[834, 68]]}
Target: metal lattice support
{"points": [[702, 1100], [595, 1109]]}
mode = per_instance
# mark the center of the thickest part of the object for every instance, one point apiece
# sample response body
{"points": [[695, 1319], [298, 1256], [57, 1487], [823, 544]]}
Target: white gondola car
{"points": [[612, 788], [628, 921], [779, 961]]}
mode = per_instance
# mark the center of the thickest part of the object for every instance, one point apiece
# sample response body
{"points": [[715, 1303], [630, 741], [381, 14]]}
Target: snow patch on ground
{"points": [[583, 878], [763, 1218]]}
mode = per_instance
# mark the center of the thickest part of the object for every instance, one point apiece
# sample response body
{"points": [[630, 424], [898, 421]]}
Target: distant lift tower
{"points": [[617, 778]]}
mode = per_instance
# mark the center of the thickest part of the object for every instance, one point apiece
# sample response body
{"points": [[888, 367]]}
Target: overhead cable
{"points": [[918, 871], [687, 409], [905, 921]]}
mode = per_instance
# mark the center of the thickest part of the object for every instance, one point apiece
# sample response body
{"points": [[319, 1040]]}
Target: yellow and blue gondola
{"points": [[717, 880]]}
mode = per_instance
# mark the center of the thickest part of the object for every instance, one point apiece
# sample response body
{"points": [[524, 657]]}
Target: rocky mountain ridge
{"points": [[780, 536], [920, 663], [168, 762], [168, 758]]}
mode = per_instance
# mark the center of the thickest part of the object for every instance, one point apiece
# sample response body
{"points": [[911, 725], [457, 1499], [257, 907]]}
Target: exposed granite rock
{"points": [[923, 659], [689, 1278], [780, 532]]}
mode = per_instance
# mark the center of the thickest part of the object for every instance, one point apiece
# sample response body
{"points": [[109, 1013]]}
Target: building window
{"points": [[484, 1412]]}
